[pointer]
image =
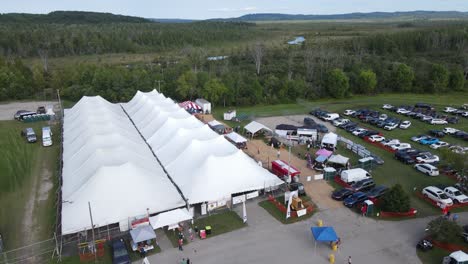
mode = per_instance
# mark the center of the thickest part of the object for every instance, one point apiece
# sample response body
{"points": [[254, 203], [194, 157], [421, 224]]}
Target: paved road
{"points": [[265, 240]]}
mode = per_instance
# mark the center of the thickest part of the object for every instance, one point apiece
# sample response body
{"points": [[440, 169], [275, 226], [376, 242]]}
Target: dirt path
{"points": [[318, 190]]}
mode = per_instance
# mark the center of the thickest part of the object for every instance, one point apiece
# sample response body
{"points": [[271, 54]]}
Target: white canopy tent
{"points": [[236, 138], [253, 127], [170, 218], [338, 159], [107, 163], [204, 165]]}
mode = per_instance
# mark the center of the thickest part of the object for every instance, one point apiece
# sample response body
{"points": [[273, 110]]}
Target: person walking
{"points": [[190, 231], [349, 260], [181, 242], [278, 154], [188, 261], [455, 217]]}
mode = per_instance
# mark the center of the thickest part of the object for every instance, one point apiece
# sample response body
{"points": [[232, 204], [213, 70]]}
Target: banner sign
{"points": [[238, 199], [252, 195]]}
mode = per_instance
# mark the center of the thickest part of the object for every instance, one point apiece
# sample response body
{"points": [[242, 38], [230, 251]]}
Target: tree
{"points": [[444, 230], [366, 81], [187, 84], [337, 83], [395, 200], [402, 78], [439, 78], [457, 80], [257, 53], [214, 90]]}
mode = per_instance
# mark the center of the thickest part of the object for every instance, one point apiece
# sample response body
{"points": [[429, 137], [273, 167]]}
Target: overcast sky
{"points": [[202, 9]]}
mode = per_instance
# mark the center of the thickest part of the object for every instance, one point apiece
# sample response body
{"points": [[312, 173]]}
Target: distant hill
{"points": [[373, 15], [172, 20], [70, 17]]}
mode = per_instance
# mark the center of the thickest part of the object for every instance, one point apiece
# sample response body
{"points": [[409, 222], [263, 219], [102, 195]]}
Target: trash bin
{"points": [[331, 258], [208, 230], [334, 246], [319, 223]]}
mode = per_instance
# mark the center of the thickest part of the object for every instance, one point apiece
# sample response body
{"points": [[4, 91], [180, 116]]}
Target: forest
{"points": [[260, 68]]}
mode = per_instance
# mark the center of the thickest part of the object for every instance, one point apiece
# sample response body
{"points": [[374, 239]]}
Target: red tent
{"points": [[189, 105]]}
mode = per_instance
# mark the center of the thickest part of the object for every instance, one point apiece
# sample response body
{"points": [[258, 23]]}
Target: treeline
{"points": [[259, 74], [69, 17], [57, 40]]}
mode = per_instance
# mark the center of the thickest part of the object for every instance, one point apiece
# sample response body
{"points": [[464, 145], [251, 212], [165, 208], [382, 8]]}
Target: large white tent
{"points": [[107, 163], [204, 165]]}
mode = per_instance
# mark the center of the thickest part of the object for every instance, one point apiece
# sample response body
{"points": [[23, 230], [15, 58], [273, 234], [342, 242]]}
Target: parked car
{"points": [[419, 137], [359, 131], [391, 126], [331, 116], [427, 158], [349, 112], [429, 141], [427, 169], [41, 110], [440, 144], [401, 146], [437, 133], [449, 109], [405, 124], [458, 149], [452, 120], [437, 195], [450, 130], [402, 111], [297, 186], [376, 138], [427, 118], [363, 185], [22, 113], [120, 253], [387, 106], [456, 196], [389, 142], [383, 117], [29, 134], [405, 156], [438, 122], [342, 194], [465, 114], [355, 199], [376, 192], [340, 122]]}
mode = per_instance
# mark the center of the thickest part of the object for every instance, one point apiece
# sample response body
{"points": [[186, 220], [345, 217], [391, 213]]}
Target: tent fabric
{"points": [[142, 233], [330, 138], [170, 218], [253, 127], [323, 152], [108, 164], [236, 138], [321, 158], [338, 159], [324, 234], [189, 105], [204, 165], [214, 123]]}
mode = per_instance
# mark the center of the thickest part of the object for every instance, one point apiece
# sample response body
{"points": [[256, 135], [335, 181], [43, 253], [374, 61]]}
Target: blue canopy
{"points": [[321, 158], [324, 234]]}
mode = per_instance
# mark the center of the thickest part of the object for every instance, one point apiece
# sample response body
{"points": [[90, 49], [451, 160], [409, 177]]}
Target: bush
{"points": [[444, 230], [396, 200]]}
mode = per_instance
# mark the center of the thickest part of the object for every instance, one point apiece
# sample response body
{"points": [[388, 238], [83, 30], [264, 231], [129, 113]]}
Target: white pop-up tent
{"points": [[236, 138], [107, 165], [330, 140], [253, 127], [338, 159], [171, 218]]}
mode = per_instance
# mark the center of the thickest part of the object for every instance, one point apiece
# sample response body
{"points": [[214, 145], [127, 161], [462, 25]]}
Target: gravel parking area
{"points": [[8, 110]]}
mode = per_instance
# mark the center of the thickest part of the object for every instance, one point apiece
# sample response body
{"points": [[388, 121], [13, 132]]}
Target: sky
{"points": [[203, 9]]}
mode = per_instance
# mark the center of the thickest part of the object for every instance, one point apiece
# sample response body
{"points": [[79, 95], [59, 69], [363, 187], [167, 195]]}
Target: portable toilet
{"points": [[329, 173], [370, 207], [366, 163]]}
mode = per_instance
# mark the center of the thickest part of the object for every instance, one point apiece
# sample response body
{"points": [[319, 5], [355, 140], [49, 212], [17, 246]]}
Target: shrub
{"points": [[444, 230], [396, 200]]}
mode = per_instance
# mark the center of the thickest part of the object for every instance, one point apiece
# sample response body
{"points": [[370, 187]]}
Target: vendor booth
{"points": [[236, 139], [254, 127], [191, 107], [324, 234], [282, 169], [142, 238], [330, 141], [170, 218], [319, 162], [338, 161]]}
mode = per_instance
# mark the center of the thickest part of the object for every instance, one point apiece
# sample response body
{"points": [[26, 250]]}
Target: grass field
{"points": [[20, 166], [280, 216], [434, 256], [392, 171]]}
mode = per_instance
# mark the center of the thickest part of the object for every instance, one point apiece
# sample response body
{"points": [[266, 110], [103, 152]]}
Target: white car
{"points": [[426, 118], [349, 112], [402, 111], [359, 131], [427, 169], [449, 109], [405, 124], [459, 149], [340, 122], [387, 106], [390, 142], [376, 138], [400, 146], [419, 138], [438, 196], [465, 114], [391, 126], [438, 122], [455, 194], [440, 144], [450, 130], [427, 158], [383, 117]]}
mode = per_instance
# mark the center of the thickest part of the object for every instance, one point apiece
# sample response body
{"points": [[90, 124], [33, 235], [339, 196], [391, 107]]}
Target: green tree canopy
{"points": [[366, 81], [187, 85], [214, 90], [403, 77], [337, 83], [438, 78], [457, 80], [396, 200]]}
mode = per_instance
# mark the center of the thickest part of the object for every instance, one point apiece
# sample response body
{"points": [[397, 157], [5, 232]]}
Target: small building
{"points": [[204, 104], [229, 115]]}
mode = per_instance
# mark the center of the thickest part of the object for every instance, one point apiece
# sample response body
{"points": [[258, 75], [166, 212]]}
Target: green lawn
{"points": [[434, 256], [280, 216], [20, 163], [220, 223]]}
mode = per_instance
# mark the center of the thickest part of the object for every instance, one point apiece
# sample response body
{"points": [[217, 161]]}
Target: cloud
{"points": [[226, 9]]}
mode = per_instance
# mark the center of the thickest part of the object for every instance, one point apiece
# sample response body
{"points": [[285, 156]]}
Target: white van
{"points": [[354, 175], [46, 137], [307, 133], [331, 116], [427, 169]]}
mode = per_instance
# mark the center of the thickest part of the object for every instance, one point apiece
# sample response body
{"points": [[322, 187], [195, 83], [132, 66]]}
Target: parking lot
{"points": [[9, 109]]}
